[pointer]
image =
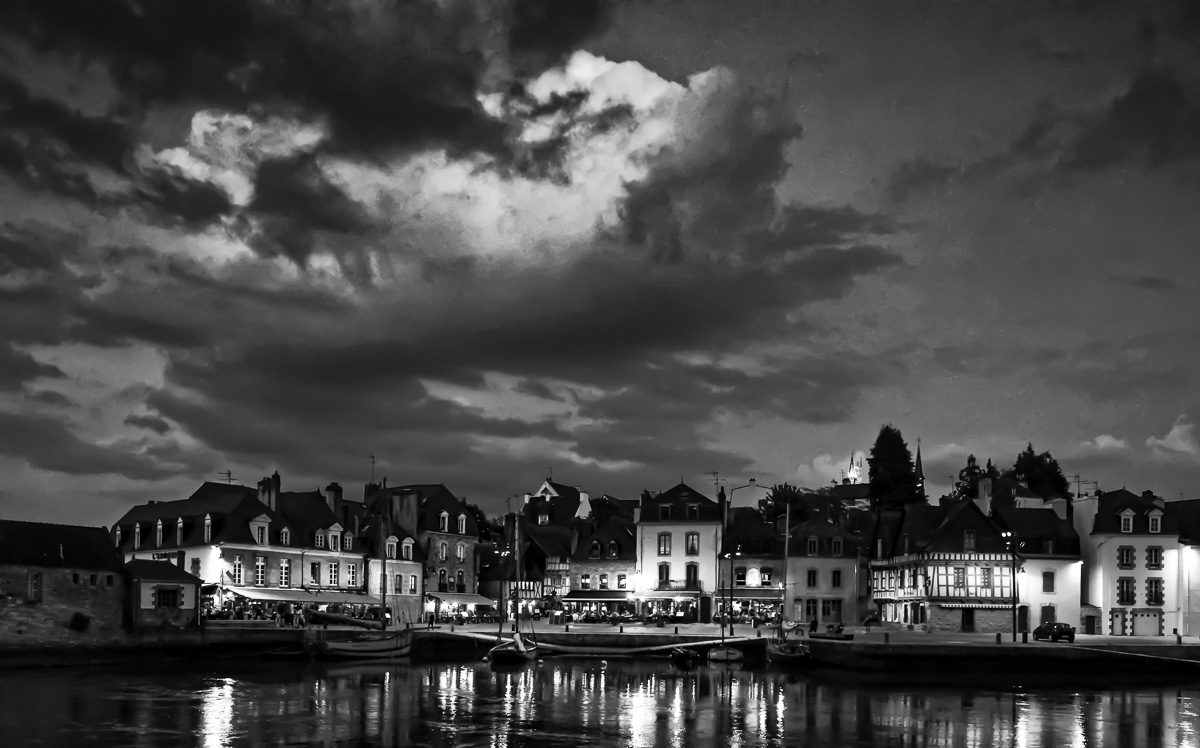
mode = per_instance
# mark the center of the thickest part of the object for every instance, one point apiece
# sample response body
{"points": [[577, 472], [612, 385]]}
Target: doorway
{"points": [[1023, 618], [968, 620]]}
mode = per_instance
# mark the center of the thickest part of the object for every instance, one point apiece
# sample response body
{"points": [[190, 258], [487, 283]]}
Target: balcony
{"points": [[688, 585]]}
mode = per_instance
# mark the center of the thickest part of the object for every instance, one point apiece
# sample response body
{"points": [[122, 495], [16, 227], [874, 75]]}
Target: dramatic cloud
{"points": [[1180, 441], [1105, 442]]}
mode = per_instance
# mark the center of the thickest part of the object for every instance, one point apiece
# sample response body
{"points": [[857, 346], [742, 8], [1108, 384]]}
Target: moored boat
{"points": [[724, 654], [391, 644], [513, 652], [787, 652], [684, 658]]}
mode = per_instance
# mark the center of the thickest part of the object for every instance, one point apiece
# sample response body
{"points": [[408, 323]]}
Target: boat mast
{"points": [[787, 535], [382, 551]]}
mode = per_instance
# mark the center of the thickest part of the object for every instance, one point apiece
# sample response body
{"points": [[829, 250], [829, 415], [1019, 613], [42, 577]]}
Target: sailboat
{"points": [[722, 652], [780, 649], [375, 645], [515, 651]]}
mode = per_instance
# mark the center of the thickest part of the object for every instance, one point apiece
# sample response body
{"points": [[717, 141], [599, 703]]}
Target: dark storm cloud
{"points": [[18, 368], [46, 443], [1145, 282], [169, 197], [50, 397], [149, 422]]}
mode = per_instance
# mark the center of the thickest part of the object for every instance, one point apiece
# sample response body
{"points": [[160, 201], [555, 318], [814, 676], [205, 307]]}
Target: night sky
{"points": [[627, 244]]}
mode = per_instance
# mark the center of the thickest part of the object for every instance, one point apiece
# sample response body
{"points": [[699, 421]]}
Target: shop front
{"points": [[672, 606], [751, 604], [287, 605], [459, 607], [595, 606]]}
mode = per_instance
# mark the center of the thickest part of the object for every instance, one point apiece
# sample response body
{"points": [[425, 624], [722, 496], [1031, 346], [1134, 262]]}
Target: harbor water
{"points": [[569, 703]]}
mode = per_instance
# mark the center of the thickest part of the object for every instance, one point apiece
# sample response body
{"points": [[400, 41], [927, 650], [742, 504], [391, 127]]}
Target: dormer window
{"points": [[406, 550], [462, 524], [968, 540], [444, 522], [320, 540], [1155, 522], [1047, 545], [812, 546], [594, 552], [158, 534], [179, 531], [118, 534], [348, 542], [285, 536], [664, 513], [334, 541], [543, 519], [612, 549], [837, 546], [137, 536], [693, 511], [1126, 522], [207, 529], [260, 534]]}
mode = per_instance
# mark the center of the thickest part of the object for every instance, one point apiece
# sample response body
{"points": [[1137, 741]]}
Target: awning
{"points": [[668, 594], [603, 596], [325, 597], [351, 598], [751, 593], [989, 606], [263, 594], [460, 598]]}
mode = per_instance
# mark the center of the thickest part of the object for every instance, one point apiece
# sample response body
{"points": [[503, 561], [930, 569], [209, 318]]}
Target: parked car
{"points": [[1055, 631]]}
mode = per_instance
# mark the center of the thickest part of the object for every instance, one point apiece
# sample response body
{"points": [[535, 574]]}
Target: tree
{"points": [[967, 485], [487, 530], [1041, 473], [892, 477]]}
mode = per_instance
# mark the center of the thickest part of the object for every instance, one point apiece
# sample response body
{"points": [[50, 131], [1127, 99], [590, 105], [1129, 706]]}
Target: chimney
{"points": [[983, 497], [1061, 507], [333, 497], [527, 497], [268, 492], [723, 504]]}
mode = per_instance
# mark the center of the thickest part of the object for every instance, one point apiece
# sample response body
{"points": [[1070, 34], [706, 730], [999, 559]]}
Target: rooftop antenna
{"points": [[372, 468], [228, 476], [716, 476]]}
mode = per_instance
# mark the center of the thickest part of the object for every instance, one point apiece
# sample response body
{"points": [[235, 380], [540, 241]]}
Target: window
{"points": [[664, 572], [692, 575], [314, 572], [1126, 523], [444, 522], [811, 577], [812, 546], [442, 579], [195, 567], [460, 552], [837, 578], [1154, 591], [585, 582], [462, 524], [692, 543], [348, 542], [739, 576], [907, 545], [443, 552], [118, 535], [810, 608], [837, 546], [412, 584], [33, 586], [831, 610], [351, 575], [92, 579], [613, 549], [320, 540], [137, 537], [985, 577], [1155, 523], [543, 519], [334, 539], [285, 536], [693, 511], [158, 534], [108, 578], [594, 551], [334, 569], [664, 544], [1125, 591], [960, 577], [764, 576], [968, 540], [1154, 556], [260, 535], [460, 580], [390, 550], [878, 547], [620, 581], [74, 577], [1125, 557], [406, 550], [1048, 545], [603, 581], [664, 513], [237, 569], [166, 598], [207, 529], [1047, 581], [285, 573], [902, 576], [260, 571], [179, 531]]}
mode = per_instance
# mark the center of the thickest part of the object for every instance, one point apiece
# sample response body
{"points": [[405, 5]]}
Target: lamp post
{"points": [[730, 555], [1010, 540]]}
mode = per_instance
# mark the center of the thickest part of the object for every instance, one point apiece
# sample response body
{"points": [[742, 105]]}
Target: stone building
{"points": [[160, 595], [603, 567], [58, 584]]}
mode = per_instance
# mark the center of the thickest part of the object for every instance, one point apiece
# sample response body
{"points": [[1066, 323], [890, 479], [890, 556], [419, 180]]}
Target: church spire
{"points": [[920, 472]]}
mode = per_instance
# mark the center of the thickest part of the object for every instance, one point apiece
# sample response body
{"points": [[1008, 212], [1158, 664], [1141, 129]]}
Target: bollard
{"points": [[997, 637], [1024, 637], [514, 627], [886, 637], [452, 627], [622, 629], [1178, 638], [676, 629], [758, 634], [567, 627]]}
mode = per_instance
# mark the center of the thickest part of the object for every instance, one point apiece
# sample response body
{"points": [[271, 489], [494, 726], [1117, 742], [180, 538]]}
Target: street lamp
{"points": [[729, 606], [1010, 541]]}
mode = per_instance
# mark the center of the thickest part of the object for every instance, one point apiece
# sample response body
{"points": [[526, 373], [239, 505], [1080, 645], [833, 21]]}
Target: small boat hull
{"points": [[724, 654], [398, 644], [788, 653], [507, 654], [684, 658]]}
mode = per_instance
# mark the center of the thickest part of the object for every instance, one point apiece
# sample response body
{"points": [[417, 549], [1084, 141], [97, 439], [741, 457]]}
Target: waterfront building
{"points": [[1049, 566], [1140, 563], [750, 576], [943, 568], [679, 534], [551, 517], [827, 580], [160, 595], [51, 575], [603, 566]]}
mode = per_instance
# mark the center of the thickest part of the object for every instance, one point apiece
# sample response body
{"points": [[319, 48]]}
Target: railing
{"points": [[690, 585]]}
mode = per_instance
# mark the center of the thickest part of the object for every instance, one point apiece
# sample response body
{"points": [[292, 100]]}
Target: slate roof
{"points": [[750, 534], [436, 498], [553, 541], [231, 507], [159, 571], [59, 546], [623, 531], [1110, 505], [561, 509], [679, 498], [1033, 526], [1185, 515]]}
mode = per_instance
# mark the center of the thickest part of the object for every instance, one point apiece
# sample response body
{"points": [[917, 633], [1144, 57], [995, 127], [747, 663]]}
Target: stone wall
{"points": [[97, 596], [596, 567], [987, 620]]}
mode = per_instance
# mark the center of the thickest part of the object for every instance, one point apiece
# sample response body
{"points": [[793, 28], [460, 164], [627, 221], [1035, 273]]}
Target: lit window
{"points": [[260, 571], [1155, 523], [285, 536], [333, 574], [137, 537], [320, 540], [603, 581], [960, 577], [620, 581], [585, 581], [207, 529], [333, 541], [460, 552], [462, 524], [348, 542], [444, 522], [664, 544], [406, 550], [1126, 524], [985, 577], [391, 549], [118, 534], [158, 534], [285, 573], [237, 569], [412, 584]]}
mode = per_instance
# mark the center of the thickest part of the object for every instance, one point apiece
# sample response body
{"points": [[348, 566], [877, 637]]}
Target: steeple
{"points": [[920, 472]]}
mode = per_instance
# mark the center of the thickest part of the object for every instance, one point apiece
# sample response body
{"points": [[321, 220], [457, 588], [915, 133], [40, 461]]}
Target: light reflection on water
{"points": [[566, 703]]}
